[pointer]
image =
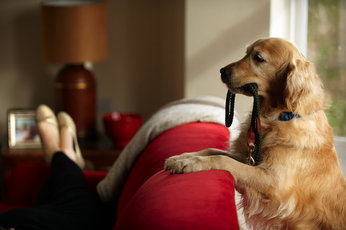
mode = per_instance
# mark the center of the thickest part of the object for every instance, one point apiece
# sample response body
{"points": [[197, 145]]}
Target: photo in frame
{"points": [[22, 129]]}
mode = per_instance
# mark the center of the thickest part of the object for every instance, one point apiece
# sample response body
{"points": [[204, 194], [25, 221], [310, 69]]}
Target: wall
{"points": [[23, 80], [143, 72], [159, 51], [216, 34], [146, 63]]}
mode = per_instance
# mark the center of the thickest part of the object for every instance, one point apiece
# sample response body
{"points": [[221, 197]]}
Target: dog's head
{"points": [[286, 79]]}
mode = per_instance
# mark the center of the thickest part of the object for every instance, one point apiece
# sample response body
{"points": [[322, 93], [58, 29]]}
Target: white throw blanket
{"points": [[200, 109]]}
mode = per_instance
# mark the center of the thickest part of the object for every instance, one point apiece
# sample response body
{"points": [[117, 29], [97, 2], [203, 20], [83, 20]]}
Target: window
{"points": [[317, 27], [326, 48]]}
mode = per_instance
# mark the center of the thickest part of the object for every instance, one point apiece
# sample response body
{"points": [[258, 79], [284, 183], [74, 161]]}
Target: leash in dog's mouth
{"points": [[254, 137]]}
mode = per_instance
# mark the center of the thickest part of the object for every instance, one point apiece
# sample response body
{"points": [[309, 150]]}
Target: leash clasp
{"points": [[250, 159], [251, 144]]}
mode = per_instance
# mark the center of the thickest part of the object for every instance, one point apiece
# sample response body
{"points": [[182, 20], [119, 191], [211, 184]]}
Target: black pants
{"points": [[64, 202]]}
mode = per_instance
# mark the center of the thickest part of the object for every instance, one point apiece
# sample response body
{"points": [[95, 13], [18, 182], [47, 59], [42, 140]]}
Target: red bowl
{"points": [[121, 127]]}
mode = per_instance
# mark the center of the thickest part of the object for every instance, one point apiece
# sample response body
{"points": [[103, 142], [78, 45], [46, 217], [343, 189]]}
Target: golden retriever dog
{"points": [[298, 183]]}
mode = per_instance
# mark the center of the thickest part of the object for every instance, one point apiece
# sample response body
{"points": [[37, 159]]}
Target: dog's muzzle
{"points": [[226, 74]]}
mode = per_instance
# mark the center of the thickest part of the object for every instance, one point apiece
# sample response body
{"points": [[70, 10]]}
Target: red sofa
{"points": [[151, 197]]}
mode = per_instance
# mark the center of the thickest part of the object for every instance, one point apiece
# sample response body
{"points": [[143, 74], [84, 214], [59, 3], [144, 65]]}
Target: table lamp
{"points": [[73, 33]]}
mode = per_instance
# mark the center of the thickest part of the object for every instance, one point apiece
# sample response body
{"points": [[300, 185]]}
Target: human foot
{"points": [[69, 142], [47, 126]]}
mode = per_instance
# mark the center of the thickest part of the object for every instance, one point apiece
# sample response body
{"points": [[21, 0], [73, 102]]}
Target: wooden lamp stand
{"points": [[73, 33], [76, 95]]}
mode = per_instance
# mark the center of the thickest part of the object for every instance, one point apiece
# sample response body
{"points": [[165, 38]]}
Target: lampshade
{"points": [[74, 31]]}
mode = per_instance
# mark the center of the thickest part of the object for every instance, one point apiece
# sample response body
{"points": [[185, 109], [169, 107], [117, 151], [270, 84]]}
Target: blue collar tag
{"points": [[286, 116]]}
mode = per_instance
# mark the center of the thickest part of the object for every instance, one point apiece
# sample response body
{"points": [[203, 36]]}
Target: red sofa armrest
{"points": [[154, 199], [201, 200]]}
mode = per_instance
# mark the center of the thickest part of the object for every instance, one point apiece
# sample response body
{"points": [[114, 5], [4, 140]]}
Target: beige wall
{"points": [[159, 50], [23, 81], [143, 72], [216, 34], [146, 63]]}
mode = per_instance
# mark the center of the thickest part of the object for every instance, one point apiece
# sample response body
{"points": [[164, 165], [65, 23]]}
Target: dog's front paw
{"points": [[185, 165], [169, 162]]}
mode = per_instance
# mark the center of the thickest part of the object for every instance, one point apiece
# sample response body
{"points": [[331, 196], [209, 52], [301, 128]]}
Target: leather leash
{"points": [[254, 137]]}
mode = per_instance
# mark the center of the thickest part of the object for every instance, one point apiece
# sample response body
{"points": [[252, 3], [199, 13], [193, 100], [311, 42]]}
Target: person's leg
{"points": [[65, 202], [66, 175], [66, 194]]}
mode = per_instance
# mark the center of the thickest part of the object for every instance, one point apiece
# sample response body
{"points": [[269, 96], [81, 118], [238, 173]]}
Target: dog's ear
{"points": [[302, 85]]}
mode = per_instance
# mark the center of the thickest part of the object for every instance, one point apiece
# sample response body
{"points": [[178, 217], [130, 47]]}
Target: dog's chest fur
{"points": [[301, 159]]}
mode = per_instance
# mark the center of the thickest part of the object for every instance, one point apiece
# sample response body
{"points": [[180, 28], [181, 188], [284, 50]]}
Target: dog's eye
{"points": [[258, 58]]}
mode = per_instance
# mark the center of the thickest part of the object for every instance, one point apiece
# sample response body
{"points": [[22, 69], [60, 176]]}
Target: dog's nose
{"points": [[225, 74]]}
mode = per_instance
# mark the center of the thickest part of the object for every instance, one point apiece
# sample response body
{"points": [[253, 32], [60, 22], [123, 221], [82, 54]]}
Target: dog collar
{"points": [[286, 116]]}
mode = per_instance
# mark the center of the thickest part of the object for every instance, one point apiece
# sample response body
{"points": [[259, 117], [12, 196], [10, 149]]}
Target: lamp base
{"points": [[76, 95]]}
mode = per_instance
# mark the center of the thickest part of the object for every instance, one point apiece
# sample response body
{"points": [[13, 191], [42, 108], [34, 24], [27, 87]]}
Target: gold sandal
{"points": [[65, 121], [45, 114]]}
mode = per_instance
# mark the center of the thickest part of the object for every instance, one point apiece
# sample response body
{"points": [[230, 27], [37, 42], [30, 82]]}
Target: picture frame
{"points": [[22, 129]]}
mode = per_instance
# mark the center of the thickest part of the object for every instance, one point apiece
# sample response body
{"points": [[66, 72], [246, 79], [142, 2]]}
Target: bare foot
{"points": [[50, 139]]}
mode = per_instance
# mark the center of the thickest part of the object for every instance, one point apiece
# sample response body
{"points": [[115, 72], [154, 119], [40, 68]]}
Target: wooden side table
{"points": [[98, 153]]}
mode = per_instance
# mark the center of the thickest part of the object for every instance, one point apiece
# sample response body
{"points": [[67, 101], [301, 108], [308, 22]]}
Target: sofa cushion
{"points": [[200, 200], [189, 137], [154, 199]]}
